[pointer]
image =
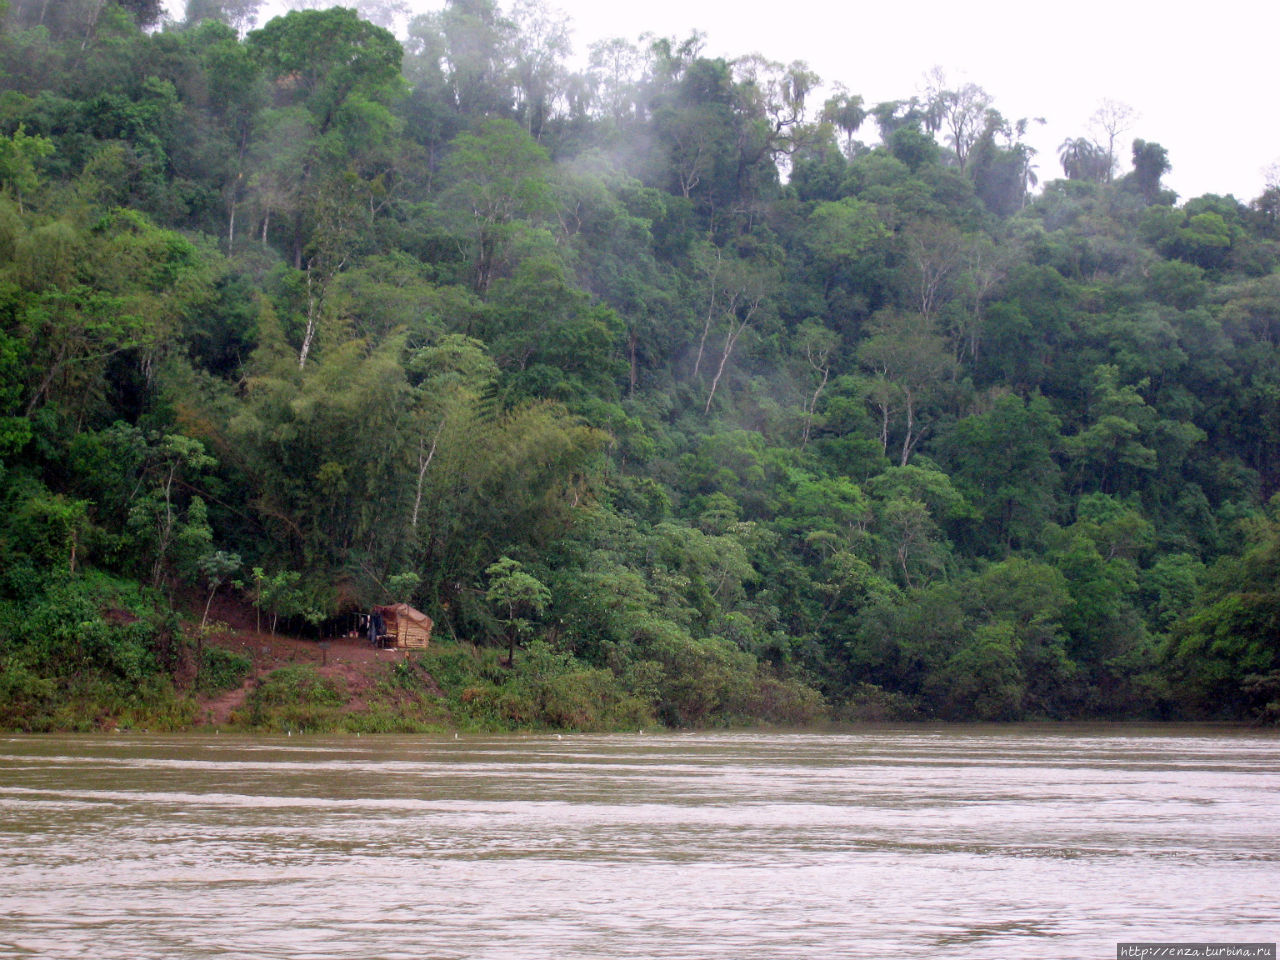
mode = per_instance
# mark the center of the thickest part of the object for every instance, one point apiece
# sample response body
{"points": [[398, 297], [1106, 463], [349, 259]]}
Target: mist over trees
{"points": [[754, 404]]}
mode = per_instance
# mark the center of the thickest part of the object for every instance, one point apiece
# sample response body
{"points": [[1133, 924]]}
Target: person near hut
{"points": [[376, 628]]}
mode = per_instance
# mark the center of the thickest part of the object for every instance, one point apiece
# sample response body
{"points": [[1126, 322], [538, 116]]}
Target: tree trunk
{"points": [[903, 554], [207, 604], [711, 312], [631, 352], [724, 360], [166, 531], [311, 320], [885, 412], [702, 343], [730, 342], [909, 440], [46, 382], [813, 407], [93, 24], [422, 472]]}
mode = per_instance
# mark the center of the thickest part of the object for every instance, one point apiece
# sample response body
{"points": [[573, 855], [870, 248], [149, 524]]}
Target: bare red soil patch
{"points": [[352, 661]]}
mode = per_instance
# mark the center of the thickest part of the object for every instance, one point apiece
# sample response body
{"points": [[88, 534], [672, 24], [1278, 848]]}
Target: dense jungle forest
{"points": [[700, 387]]}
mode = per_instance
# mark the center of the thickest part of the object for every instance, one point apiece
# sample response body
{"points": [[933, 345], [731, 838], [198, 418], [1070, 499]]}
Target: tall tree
{"points": [[906, 353], [846, 112], [1111, 121], [495, 177], [541, 46], [1150, 163], [239, 15], [958, 112], [1082, 159]]}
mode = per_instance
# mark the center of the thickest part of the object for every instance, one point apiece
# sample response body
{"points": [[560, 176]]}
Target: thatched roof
{"points": [[398, 610]]}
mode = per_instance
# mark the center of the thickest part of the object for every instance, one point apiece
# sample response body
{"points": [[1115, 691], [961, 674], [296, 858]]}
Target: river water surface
{"points": [[965, 842]]}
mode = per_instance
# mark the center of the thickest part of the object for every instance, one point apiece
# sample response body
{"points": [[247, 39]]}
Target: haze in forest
{"points": [[1190, 75]]}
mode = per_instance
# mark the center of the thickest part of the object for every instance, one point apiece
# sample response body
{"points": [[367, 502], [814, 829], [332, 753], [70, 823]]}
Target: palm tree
{"points": [[1082, 159], [1029, 176]]}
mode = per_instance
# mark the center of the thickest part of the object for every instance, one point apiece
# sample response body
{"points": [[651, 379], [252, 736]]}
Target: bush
{"points": [[787, 702], [90, 702], [870, 703], [295, 697], [297, 685], [704, 680], [546, 689], [88, 623], [222, 669], [85, 653]]}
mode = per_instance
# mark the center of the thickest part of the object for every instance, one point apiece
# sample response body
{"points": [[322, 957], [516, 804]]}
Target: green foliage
{"points": [[48, 529], [1005, 458], [19, 156], [497, 181], [328, 60], [1150, 163], [278, 593], [562, 359], [295, 697], [86, 652], [545, 689], [517, 596], [222, 669], [1224, 651]]}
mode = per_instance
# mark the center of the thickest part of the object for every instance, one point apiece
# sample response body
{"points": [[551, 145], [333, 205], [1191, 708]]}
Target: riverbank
{"points": [[287, 682], [99, 653], [96, 653], [276, 683], [240, 677]]}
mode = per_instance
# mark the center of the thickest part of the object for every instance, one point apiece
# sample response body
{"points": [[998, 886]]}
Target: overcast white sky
{"points": [[1199, 77]]}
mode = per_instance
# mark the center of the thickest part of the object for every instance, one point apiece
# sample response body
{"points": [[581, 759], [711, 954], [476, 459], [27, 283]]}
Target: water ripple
{"points": [[910, 842]]}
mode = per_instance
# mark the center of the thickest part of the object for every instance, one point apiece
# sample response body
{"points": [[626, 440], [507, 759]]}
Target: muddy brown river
{"points": [[964, 842]]}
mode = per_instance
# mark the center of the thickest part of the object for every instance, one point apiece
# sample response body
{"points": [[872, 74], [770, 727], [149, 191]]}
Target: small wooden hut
{"points": [[404, 627]]}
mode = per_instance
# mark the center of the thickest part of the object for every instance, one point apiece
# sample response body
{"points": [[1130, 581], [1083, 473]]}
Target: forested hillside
{"points": [[656, 371]]}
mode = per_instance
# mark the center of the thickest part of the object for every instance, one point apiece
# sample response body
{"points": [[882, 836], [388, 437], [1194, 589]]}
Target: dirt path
{"points": [[352, 661], [218, 710]]}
